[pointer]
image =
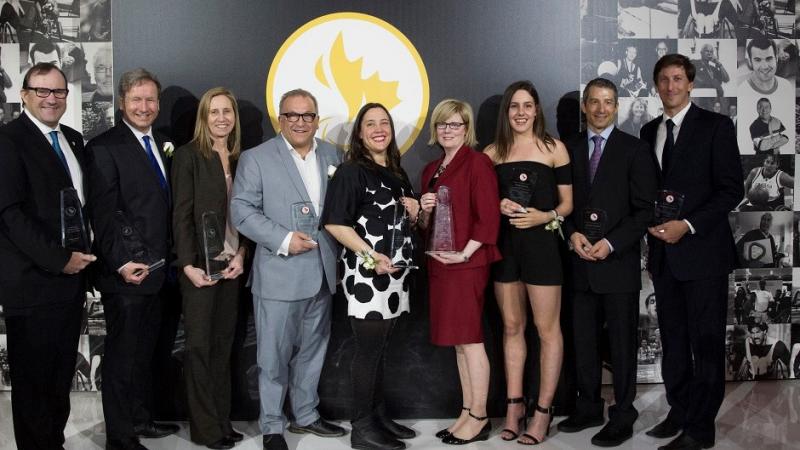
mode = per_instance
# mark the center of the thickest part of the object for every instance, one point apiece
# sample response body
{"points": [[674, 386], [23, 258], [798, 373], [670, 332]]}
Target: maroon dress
{"points": [[456, 291]]}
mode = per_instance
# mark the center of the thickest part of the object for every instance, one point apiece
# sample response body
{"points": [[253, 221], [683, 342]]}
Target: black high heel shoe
{"points": [[522, 421], [536, 441], [441, 434], [481, 436]]}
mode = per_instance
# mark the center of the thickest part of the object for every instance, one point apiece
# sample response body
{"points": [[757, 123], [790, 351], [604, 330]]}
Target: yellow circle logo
{"points": [[347, 60]]}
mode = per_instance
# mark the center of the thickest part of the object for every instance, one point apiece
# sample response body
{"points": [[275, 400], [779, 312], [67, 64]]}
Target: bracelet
{"points": [[466, 258]]}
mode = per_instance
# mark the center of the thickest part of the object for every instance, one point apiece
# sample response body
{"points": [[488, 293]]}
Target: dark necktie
{"points": [[57, 149], [154, 162], [669, 143], [594, 161]]}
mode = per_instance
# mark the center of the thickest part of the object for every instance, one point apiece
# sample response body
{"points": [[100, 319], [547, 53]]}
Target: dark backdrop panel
{"points": [[471, 50]]}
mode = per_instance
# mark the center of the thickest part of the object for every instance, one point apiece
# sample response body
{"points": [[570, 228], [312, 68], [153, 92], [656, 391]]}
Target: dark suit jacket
{"points": [[706, 169], [31, 178], [122, 179], [625, 188]]}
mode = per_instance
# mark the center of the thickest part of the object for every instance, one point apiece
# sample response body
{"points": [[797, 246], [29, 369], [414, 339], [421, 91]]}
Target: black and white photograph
{"points": [[763, 239], [95, 323], [95, 21], [721, 105], [764, 295], [99, 85], [715, 65], [598, 20], [648, 19], [768, 183], [81, 379], [758, 351], [634, 112], [628, 63], [10, 77], [794, 367], [649, 356], [8, 112], [795, 304], [708, 18]]}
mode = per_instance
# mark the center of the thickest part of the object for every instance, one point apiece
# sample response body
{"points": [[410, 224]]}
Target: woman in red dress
{"points": [[457, 280]]}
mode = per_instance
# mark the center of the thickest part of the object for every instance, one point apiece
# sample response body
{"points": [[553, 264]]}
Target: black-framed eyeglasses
{"points": [[294, 117], [452, 125], [45, 92]]}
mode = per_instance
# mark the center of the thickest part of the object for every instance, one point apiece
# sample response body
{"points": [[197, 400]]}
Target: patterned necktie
{"points": [[57, 148], [666, 154], [154, 162], [594, 161]]}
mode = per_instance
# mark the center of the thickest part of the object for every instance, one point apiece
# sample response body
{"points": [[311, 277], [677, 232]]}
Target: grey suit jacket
{"points": [[267, 183]]}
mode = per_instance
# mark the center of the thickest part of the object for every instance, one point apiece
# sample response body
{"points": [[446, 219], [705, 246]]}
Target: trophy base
{"points": [[441, 252], [156, 265], [216, 276], [405, 266]]}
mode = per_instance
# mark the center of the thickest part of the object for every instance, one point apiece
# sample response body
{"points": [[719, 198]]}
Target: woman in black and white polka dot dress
{"points": [[366, 201]]}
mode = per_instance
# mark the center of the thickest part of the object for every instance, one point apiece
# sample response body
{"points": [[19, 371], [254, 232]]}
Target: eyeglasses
{"points": [[294, 117], [45, 92], [105, 70], [451, 125]]}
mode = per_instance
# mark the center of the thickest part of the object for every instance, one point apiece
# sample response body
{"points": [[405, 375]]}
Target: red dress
{"points": [[456, 290]]}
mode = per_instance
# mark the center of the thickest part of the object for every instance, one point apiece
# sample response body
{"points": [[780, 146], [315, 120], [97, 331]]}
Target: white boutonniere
{"points": [[555, 224], [331, 170], [169, 149], [369, 262]]}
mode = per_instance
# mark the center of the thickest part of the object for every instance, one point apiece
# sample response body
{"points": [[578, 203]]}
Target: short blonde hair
{"points": [[447, 108]]}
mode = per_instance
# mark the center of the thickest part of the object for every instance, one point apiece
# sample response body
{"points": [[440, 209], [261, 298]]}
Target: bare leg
{"points": [[476, 366], [546, 304], [466, 390], [511, 300]]}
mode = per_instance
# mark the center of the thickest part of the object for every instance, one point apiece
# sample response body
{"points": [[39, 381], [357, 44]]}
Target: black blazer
{"points": [[122, 179], [31, 178], [707, 170], [624, 187]]}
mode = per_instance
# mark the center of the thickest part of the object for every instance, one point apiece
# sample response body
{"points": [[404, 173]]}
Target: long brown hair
{"points": [[505, 135], [202, 135], [359, 153]]}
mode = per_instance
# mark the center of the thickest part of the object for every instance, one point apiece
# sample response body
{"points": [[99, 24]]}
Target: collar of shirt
{"points": [[75, 171], [604, 134], [309, 172], [45, 129], [677, 119], [139, 135], [312, 152]]}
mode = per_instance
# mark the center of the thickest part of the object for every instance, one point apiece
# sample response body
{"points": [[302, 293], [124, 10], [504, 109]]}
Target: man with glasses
{"points": [[276, 202], [104, 84], [43, 281]]}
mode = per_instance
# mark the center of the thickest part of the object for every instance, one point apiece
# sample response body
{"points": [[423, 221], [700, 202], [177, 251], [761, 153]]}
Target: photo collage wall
{"points": [[76, 36], [746, 58]]}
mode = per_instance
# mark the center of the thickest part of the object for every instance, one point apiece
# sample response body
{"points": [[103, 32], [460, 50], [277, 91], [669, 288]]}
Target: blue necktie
{"points": [[154, 162], [57, 148]]}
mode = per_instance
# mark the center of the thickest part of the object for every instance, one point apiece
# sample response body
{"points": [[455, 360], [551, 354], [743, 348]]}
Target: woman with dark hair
{"points": [[536, 191], [202, 175], [458, 280], [369, 198]]}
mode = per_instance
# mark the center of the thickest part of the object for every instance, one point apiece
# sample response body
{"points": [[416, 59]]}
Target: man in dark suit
{"points": [[692, 252], [614, 186], [128, 169], [43, 284]]}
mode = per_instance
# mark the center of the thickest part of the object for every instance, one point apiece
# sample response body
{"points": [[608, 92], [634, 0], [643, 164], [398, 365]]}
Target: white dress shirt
{"points": [[153, 145], [309, 173], [72, 162]]}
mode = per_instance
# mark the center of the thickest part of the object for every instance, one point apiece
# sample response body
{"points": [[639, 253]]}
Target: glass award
{"points": [[520, 189], [442, 232], [668, 206], [401, 249], [594, 224], [305, 220], [213, 246], [73, 229], [134, 244]]}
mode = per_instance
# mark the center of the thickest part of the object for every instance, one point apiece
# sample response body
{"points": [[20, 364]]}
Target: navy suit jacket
{"points": [[707, 170]]}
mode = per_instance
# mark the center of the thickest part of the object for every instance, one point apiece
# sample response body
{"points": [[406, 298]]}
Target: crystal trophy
{"points": [[73, 229], [305, 220], [520, 190], [134, 244], [594, 224], [400, 246], [213, 246], [668, 206], [442, 233]]}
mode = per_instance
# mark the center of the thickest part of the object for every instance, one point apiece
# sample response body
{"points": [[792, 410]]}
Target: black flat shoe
{"points": [[663, 430], [535, 440], [320, 428], [612, 435], [575, 423], [223, 443], [235, 436], [367, 434], [481, 436], [521, 423], [441, 434], [397, 430], [274, 442]]}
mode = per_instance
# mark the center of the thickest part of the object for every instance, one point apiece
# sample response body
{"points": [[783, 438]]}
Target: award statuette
{"points": [[73, 229], [520, 190], [213, 246], [594, 224], [305, 220], [442, 233], [134, 244], [400, 247], [668, 206]]}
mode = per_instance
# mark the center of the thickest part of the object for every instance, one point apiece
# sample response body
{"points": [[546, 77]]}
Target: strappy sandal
{"points": [[481, 436], [522, 421], [536, 441], [441, 434]]}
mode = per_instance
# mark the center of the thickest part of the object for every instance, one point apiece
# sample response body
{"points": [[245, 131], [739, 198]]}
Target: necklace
{"points": [[439, 170]]}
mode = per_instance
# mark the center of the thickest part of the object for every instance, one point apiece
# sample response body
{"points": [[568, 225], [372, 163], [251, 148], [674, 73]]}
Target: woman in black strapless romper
{"points": [[536, 189]]}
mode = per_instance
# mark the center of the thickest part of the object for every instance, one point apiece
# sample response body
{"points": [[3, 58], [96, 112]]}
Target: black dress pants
{"points": [[132, 328], [366, 371], [620, 312], [42, 351]]}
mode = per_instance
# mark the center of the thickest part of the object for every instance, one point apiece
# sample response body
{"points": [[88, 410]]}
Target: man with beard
{"points": [[762, 358]]}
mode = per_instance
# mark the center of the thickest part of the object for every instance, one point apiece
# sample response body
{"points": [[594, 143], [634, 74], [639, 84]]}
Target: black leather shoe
{"points": [[274, 442], [235, 436], [397, 430], [223, 443], [320, 427], [664, 430], [127, 444], [444, 432], [481, 436], [155, 430], [368, 435], [685, 442], [575, 423], [612, 435]]}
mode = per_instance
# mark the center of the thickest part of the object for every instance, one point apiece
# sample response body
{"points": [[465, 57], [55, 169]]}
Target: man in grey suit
{"points": [[276, 202]]}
